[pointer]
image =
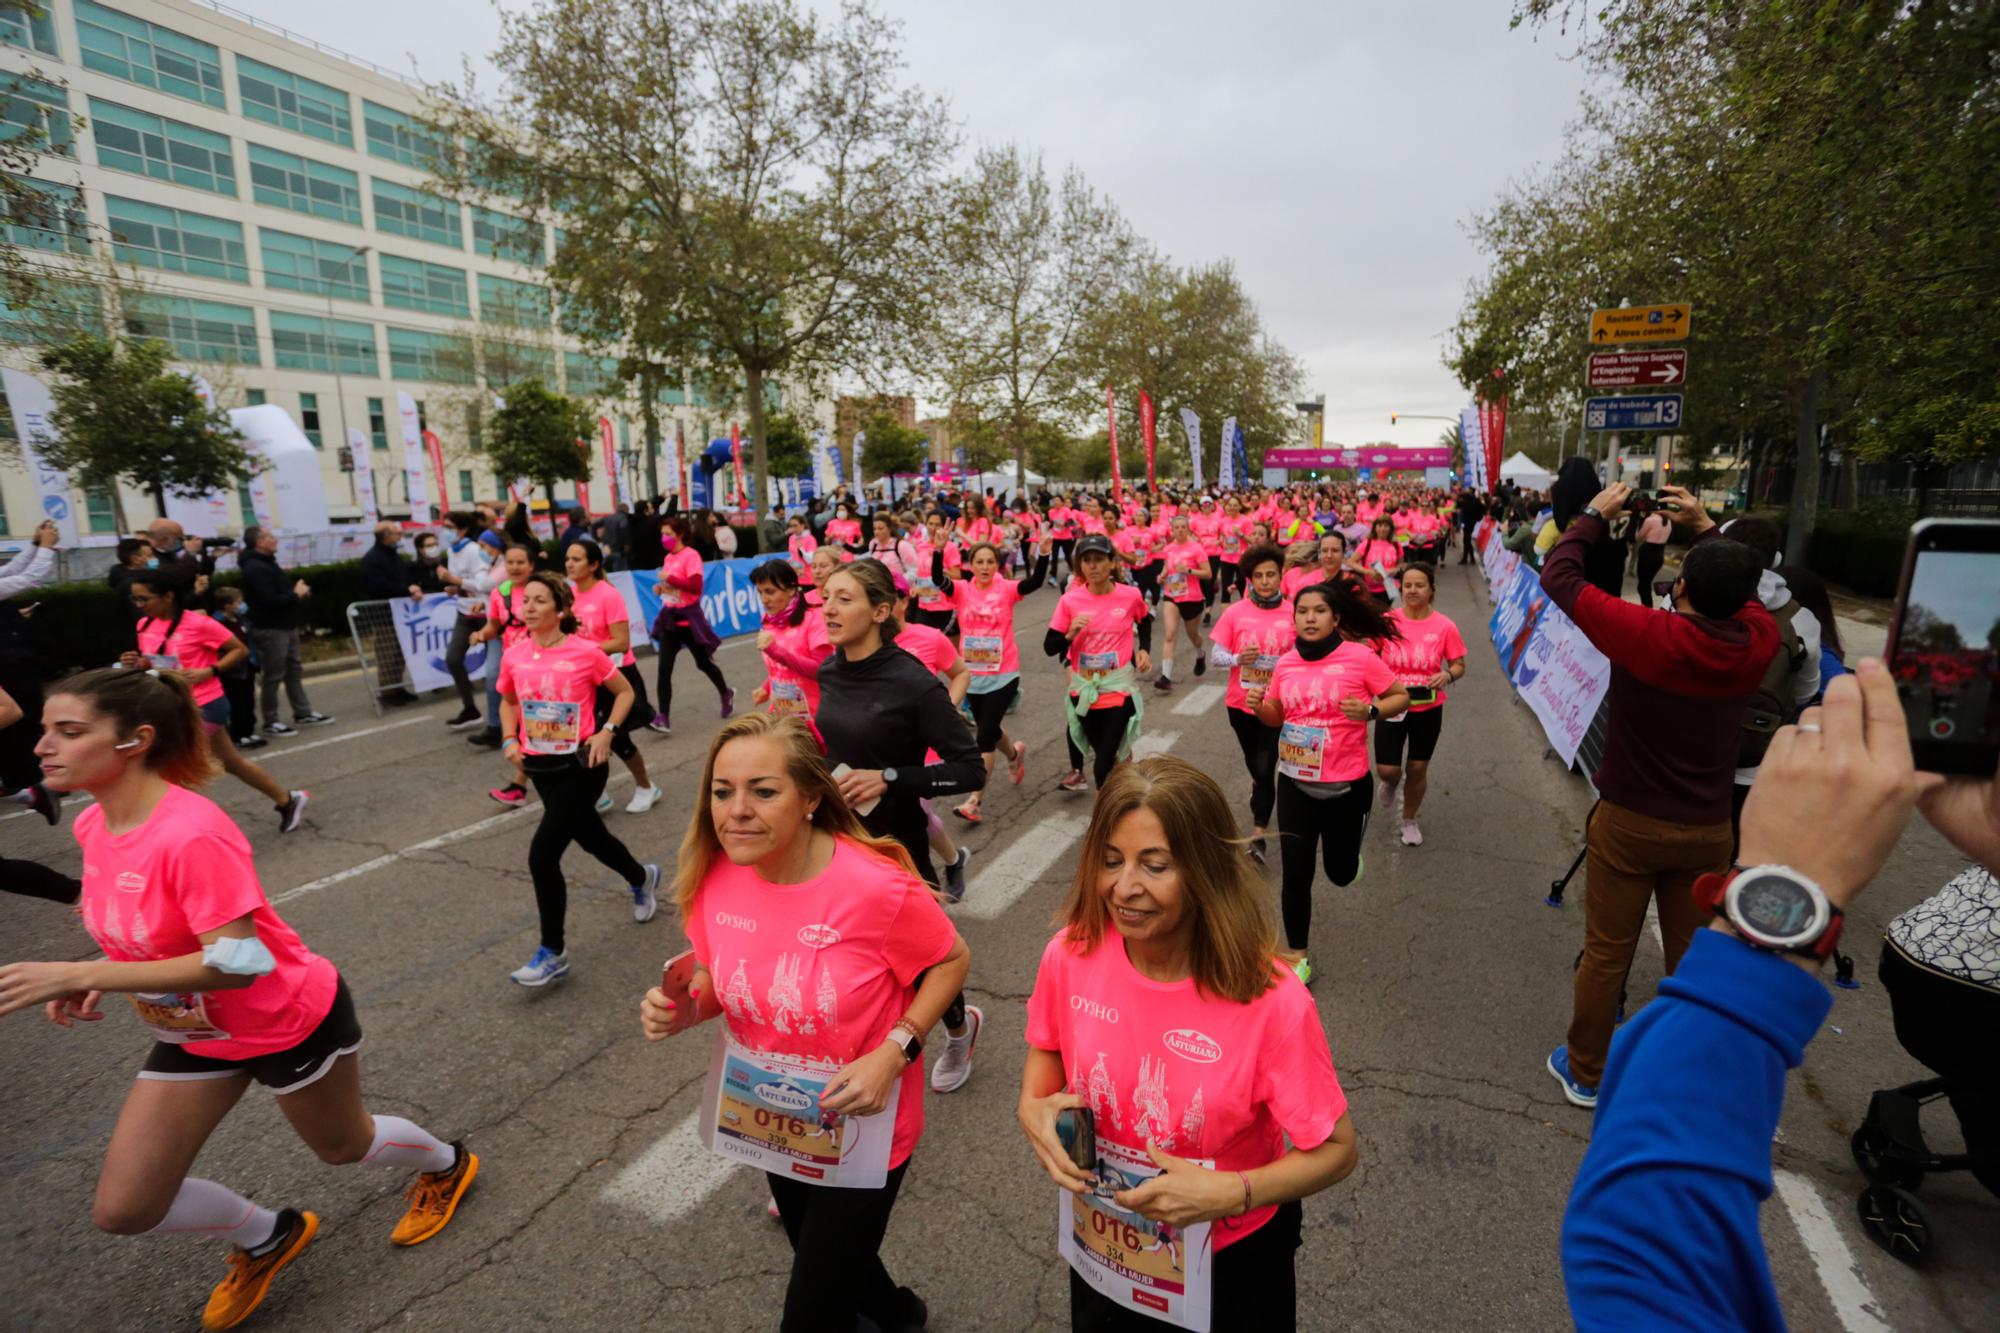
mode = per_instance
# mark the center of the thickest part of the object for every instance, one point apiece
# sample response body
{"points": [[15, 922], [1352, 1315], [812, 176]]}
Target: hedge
{"points": [[1859, 549]]}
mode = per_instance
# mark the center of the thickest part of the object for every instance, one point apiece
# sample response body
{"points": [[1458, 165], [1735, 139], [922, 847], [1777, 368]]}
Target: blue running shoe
{"points": [[540, 970], [646, 895], [1573, 1092]]}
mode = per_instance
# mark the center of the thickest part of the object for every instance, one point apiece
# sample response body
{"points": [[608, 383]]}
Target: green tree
{"points": [[534, 432], [891, 447], [123, 415], [742, 186], [43, 221], [787, 446]]}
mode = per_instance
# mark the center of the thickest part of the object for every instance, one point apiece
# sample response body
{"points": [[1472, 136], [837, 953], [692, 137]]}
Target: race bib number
{"points": [[1232, 541], [787, 696], [178, 1019], [924, 590], [763, 1110], [1088, 662], [1176, 587], [551, 727], [1257, 671], [163, 661], [1154, 1268], [1301, 750], [981, 653]]}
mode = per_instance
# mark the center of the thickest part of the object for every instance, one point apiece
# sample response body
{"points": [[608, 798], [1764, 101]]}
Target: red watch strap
{"points": [[1709, 890]]}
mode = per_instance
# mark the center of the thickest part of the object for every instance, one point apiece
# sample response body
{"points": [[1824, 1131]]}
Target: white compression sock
{"points": [[399, 1142], [205, 1208]]}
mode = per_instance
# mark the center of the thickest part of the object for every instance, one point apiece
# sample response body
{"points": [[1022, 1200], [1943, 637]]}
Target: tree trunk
{"points": [[753, 377], [1805, 463], [1850, 492], [649, 411]]}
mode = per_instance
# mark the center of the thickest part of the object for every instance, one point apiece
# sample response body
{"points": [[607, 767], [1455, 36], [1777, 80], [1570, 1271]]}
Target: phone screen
{"points": [[1946, 658]]}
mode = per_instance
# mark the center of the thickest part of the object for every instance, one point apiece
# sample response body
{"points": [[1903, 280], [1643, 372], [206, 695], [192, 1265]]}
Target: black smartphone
{"points": [[1944, 644], [1422, 694], [1664, 588], [1077, 1128]]}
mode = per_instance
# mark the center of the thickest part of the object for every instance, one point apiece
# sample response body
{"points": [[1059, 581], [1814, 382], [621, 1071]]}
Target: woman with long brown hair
{"points": [[1160, 1012], [820, 944]]}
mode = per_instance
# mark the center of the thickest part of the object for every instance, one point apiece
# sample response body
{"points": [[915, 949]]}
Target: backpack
{"points": [[1771, 705]]}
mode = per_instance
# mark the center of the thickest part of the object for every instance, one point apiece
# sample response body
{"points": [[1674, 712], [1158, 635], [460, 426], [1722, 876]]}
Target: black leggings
{"points": [[1651, 556], [1335, 826], [670, 648], [908, 825], [462, 630], [989, 712], [1147, 577], [34, 880], [638, 716], [1260, 756], [1063, 549], [837, 1273], [1420, 729], [21, 678], [569, 793], [937, 620], [1103, 729], [1253, 1286], [1227, 579]]}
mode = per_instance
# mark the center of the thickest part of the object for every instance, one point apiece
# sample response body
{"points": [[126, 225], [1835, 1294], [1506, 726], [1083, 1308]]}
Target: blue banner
{"points": [[1515, 615], [728, 598]]}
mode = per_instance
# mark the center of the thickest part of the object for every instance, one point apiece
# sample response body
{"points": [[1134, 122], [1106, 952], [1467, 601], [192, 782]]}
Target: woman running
{"points": [[1104, 631], [682, 623], [198, 650], [1183, 567], [826, 562], [1427, 656], [792, 640], [1249, 637], [1323, 693], [230, 992], [602, 619], [1331, 563], [845, 528], [985, 606], [933, 543], [1378, 554], [548, 716], [503, 622], [1158, 1007], [974, 524], [799, 547], [774, 856]]}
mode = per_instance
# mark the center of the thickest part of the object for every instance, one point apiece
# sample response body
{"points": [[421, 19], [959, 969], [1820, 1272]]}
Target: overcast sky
{"points": [[1333, 151]]}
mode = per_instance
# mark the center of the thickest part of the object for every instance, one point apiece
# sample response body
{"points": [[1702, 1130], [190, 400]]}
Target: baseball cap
{"points": [[1095, 543]]}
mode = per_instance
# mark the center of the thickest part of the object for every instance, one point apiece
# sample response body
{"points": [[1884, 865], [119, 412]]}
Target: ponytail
{"points": [[1356, 612], [156, 699]]}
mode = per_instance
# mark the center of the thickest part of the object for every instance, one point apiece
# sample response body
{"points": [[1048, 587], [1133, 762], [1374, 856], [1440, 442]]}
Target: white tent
{"points": [[1002, 480], [1525, 472]]}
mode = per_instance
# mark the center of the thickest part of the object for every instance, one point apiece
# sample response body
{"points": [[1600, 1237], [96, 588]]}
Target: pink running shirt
{"points": [[1199, 1075], [928, 646], [801, 545], [986, 625], [793, 686], [557, 691], [1258, 638], [1316, 738], [1423, 650], [822, 970], [1108, 642], [197, 641], [150, 893], [506, 614], [1207, 529], [597, 611], [682, 563], [1180, 557]]}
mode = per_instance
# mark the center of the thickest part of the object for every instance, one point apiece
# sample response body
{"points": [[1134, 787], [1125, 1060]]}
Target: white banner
{"points": [[32, 404], [825, 466], [413, 459], [1563, 678], [1475, 453], [1225, 470], [423, 631], [364, 477], [1192, 425], [860, 438]]}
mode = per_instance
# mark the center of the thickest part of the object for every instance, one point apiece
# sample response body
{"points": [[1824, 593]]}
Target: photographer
{"points": [[1679, 682]]}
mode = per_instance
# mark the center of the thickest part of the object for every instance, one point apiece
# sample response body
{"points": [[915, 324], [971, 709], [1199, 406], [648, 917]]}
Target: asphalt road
{"points": [[1443, 981]]}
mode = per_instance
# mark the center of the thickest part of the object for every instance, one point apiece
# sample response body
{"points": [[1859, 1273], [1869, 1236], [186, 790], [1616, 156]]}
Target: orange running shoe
{"points": [[434, 1197], [237, 1296]]}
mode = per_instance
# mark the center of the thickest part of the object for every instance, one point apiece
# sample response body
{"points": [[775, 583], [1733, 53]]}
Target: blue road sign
{"points": [[1639, 411]]}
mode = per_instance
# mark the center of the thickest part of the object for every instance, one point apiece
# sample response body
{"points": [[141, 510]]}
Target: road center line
{"points": [[997, 885], [674, 1177], [1200, 700], [1853, 1303]]}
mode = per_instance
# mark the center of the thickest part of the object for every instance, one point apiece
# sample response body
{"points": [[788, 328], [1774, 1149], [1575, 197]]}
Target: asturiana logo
{"points": [[784, 1097], [818, 936], [131, 881], [1191, 1045]]}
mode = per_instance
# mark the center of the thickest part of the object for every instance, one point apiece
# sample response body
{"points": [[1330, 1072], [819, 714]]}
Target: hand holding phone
{"points": [[690, 1009], [1944, 645]]}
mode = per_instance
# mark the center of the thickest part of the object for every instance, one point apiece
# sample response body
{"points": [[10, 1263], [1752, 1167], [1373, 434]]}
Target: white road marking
{"points": [[1203, 698], [1653, 924], [998, 884], [1853, 1303], [674, 1177], [1153, 743]]}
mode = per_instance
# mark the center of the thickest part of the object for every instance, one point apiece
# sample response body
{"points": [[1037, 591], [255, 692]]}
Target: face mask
{"points": [[153, 563]]}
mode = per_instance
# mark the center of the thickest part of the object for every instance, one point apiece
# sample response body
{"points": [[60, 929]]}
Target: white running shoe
{"points": [[646, 896], [541, 969], [1412, 835], [955, 1065], [1385, 793], [644, 799]]}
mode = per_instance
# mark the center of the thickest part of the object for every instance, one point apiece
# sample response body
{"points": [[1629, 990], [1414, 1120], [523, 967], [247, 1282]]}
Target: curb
{"points": [[332, 666]]}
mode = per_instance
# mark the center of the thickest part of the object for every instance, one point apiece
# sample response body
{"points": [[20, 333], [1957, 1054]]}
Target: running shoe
{"points": [[1412, 835], [434, 1197], [1303, 970], [644, 799], [728, 702], [1017, 767], [969, 812], [771, 1211], [954, 875], [465, 718], [292, 811], [604, 804], [1164, 685], [1257, 851], [313, 720], [540, 970], [42, 803], [485, 740], [1201, 664], [1575, 1093], [251, 742], [280, 729], [1207, 618], [1073, 780], [661, 725], [955, 1065], [511, 794], [646, 895], [1385, 794], [238, 1295]]}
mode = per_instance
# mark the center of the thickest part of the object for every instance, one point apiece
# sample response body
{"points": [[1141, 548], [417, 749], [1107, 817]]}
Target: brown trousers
{"points": [[1634, 859]]}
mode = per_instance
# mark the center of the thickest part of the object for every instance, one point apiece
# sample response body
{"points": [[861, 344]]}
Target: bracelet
{"points": [[514, 741], [1245, 1177]]}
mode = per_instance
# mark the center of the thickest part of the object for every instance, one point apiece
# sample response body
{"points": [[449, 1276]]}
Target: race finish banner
{"points": [[1555, 669], [423, 632]]}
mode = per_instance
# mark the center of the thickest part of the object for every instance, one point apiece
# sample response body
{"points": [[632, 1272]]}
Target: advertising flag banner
{"points": [[1225, 467], [1237, 450], [413, 459], [1492, 431], [609, 439], [1111, 425], [32, 405], [679, 480], [860, 438], [826, 463], [364, 476], [1146, 433], [736, 458], [434, 450], [1192, 425], [1476, 475]]}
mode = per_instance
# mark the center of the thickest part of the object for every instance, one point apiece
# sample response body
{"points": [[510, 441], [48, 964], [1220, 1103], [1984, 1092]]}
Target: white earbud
{"points": [[124, 745]]}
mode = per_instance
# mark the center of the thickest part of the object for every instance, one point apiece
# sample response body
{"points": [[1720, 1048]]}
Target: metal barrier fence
{"points": [[383, 670]]}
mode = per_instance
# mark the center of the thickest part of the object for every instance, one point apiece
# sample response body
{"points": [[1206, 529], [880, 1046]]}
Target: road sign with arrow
{"points": [[1650, 368], [1640, 324], [1638, 411]]}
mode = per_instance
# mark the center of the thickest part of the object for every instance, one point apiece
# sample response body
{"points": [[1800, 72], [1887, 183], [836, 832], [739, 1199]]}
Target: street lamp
{"points": [[333, 349]]}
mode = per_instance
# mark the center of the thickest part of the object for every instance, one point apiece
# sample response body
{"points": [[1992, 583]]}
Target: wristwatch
{"points": [[1592, 511], [907, 1041], [889, 777], [1773, 908]]}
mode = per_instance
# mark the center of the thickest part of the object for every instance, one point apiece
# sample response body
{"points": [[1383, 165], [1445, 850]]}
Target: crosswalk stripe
{"points": [[999, 883], [1155, 742], [674, 1177], [1199, 700]]}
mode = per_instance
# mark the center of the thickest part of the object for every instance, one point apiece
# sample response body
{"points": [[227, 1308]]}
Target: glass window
{"points": [[102, 513], [309, 417], [411, 284], [400, 138], [3, 499], [57, 310], [510, 363], [416, 355], [46, 216], [36, 112], [378, 424], [181, 242], [406, 212], [503, 237], [29, 31], [169, 150], [198, 330], [253, 397], [132, 49], [246, 510], [286, 180], [323, 268], [464, 489], [591, 376], [294, 103], [504, 301], [309, 342]]}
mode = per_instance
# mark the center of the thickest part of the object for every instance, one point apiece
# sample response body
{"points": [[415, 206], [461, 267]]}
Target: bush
{"points": [[1860, 549]]}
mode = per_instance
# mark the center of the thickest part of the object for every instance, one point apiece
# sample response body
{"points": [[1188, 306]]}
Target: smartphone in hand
{"points": [[675, 979], [1076, 1127], [1944, 645]]}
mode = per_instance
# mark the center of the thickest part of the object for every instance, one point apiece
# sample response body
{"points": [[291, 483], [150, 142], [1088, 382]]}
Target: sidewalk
{"points": [[1863, 621]]}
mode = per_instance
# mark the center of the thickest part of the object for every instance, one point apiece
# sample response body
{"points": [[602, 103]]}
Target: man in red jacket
{"points": [[1680, 677]]}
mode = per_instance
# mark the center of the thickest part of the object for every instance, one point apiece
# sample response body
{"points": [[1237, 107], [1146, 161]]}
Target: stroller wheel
{"points": [[1873, 1151], [1896, 1220]]}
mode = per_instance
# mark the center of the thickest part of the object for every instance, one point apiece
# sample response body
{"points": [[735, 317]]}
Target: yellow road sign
{"points": [[1640, 324]]}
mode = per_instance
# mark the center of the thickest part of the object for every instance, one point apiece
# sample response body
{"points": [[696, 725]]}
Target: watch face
{"points": [[1776, 910]]}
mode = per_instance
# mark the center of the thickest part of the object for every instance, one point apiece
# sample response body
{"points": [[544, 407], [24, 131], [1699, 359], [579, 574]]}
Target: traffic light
{"points": [[1392, 418]]}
